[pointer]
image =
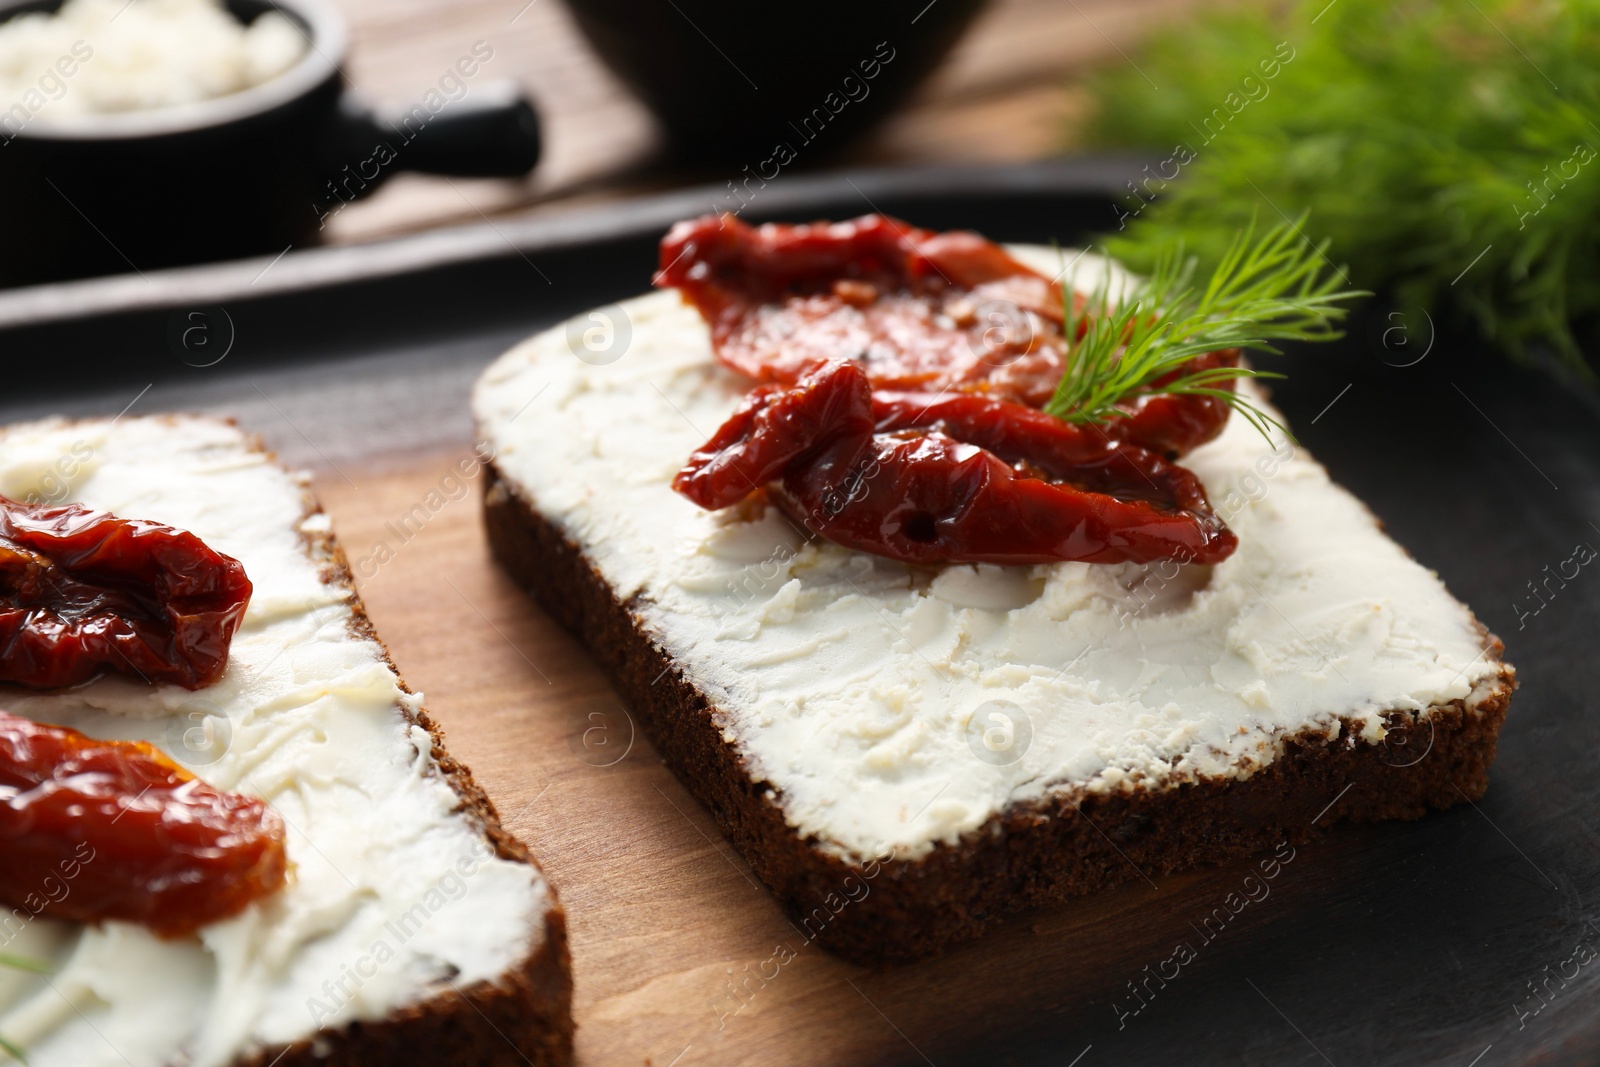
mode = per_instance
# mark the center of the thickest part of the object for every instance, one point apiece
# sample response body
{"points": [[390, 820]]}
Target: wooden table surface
{"points": [[1005, 93]]}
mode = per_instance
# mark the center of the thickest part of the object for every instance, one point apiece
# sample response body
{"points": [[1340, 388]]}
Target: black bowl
{"points": [[253, 172], [734, 80]]}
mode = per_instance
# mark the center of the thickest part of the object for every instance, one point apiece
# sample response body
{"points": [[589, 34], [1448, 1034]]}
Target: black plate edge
{"points": [[323, 267]]}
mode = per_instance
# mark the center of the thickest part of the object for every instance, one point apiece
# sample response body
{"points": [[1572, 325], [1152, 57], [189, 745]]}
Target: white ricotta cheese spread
{"points": [[98, 56], [892, 706], [393, 896]]}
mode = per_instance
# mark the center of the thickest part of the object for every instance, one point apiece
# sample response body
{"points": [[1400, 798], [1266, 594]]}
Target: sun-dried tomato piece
{"points": [[83, 591], [1175, 424], [1001, 426], [918, 310], [96, 830], [928, 479]]}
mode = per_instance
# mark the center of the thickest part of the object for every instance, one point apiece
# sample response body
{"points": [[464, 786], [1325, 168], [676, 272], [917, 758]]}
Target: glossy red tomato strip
{"points": [[968, 480], [83, 591], [96, 830], [1008, 429], [1175, 424], [773, 429]]}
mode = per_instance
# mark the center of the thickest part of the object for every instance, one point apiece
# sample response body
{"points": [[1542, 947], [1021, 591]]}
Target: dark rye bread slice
{"points": [[522, 1017], [1030, 855], [829, 707]]}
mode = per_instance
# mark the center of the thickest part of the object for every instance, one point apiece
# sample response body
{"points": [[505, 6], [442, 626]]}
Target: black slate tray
{"points": [[1468, 939]]}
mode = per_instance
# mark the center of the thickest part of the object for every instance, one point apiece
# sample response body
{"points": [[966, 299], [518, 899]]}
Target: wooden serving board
{"points": [[1468, 938]]}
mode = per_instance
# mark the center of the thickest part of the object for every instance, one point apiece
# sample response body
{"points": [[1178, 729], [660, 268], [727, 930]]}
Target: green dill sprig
{"points": [[1263, 290], [1449, 149], [23, 963]]}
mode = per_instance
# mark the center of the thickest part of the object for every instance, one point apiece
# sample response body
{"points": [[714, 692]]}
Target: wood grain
{"points": [[680, 956], [1004, 94]]}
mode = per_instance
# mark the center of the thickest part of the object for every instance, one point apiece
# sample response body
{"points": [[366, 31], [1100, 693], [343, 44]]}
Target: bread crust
{"points": [[1032, 854], [525, 1016]]}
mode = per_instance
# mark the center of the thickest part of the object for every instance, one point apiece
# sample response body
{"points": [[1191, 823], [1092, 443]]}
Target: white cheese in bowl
{"points": [[95, 57]]}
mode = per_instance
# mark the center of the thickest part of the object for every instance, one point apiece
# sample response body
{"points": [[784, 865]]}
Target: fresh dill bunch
{"points": [[1445, 148], [1266, 289]]}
